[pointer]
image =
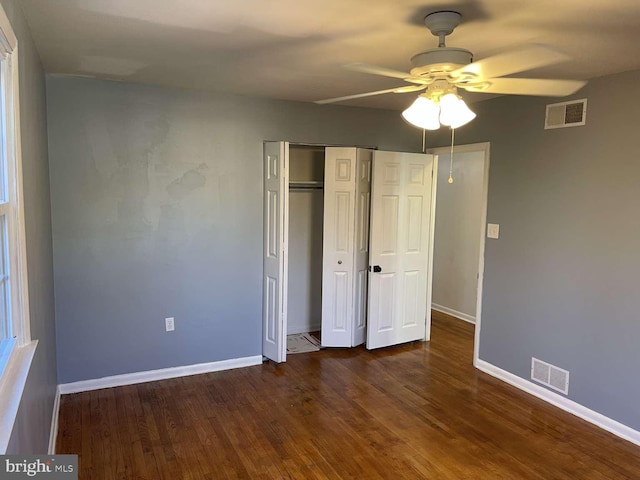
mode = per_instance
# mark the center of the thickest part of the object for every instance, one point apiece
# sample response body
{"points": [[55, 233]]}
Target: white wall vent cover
{"points": [[549, 375], [566, 114]]}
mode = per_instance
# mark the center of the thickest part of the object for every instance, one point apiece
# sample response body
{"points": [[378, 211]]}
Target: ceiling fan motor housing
{"points": [[440, 61], [442, 23]]}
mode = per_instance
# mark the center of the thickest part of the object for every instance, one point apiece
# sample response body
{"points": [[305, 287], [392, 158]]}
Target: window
{"points": [[16, 347], [13, 311], [7, 340]]}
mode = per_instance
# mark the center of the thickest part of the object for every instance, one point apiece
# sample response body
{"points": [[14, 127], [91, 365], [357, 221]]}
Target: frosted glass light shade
{"points": [[454, 112], [423, 113]]}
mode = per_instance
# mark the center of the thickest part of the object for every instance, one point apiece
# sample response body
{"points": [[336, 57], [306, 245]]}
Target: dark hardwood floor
{"points": [[415, 411]]}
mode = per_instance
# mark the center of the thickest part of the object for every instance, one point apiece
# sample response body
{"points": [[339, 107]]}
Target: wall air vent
{"points": [[566, 114], [549, 375]]}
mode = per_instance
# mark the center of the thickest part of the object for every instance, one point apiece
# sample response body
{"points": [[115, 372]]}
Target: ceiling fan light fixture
{"points": [[449, 110], [423, 113], [454, 112]]}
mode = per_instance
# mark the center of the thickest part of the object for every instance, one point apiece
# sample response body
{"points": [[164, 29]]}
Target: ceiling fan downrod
{"points": [[442, 24]]}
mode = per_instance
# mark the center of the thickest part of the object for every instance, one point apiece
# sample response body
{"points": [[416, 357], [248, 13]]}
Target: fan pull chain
{"points": [[453, 136]]}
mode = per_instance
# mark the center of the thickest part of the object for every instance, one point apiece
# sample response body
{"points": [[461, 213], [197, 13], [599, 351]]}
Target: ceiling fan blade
{"points": [[385, 72], [409, 88], [529, 86], [405, 89], [515, 61], [375, 70]]}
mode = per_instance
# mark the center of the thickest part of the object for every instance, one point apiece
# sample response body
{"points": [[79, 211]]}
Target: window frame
{"points": [[18, 351]]}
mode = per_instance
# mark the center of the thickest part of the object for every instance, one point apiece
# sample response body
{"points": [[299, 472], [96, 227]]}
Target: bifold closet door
{"points": [[338, 246], [347, 184], [274, 282], [400, 248], [361, 253]]}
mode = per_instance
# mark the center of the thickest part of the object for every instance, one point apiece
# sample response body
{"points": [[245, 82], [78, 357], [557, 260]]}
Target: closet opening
{"points": [[305, 235], [347, 246]]}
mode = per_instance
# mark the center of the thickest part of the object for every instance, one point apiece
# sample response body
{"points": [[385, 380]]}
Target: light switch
{"points": [[493, 230]]}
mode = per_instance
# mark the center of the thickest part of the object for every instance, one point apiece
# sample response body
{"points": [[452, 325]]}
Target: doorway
{"points": [[305, 233], [303, 320], [460, 233]]}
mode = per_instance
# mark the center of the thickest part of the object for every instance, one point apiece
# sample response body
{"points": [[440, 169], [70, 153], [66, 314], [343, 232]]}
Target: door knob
{"points": [[375, 268]]}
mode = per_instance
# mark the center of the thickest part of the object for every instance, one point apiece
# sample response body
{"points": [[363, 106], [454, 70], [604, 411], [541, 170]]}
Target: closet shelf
{"points": [[305, 185]]}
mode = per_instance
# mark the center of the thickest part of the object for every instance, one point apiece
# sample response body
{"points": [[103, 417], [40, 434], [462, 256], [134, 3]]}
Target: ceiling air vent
{"points": [[566, 114]]}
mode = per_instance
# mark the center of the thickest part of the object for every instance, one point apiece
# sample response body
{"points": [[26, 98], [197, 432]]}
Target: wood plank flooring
{"points": [[416, 411]]}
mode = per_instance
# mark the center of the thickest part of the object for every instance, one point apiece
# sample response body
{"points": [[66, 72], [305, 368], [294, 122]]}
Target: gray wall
{"points": [[31, 429], [157, 212], [457, 234], [561, 283]]}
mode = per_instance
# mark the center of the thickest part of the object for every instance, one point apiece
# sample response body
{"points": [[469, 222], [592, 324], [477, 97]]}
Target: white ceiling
{"points": [[294, 49]]}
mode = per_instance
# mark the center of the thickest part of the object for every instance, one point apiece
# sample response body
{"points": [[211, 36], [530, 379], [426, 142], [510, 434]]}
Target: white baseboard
{"points": [[591, 416], [53, 432], [161, 374], [454, 313]]}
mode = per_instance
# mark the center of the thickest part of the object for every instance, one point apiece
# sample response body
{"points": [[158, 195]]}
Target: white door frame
{"points": [[485, 148], [432, 241]]}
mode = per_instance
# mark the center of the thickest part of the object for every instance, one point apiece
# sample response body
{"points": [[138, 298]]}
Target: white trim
{"points": [[432, 238], [486, 148], [591, 416], [53, 431], [454, 313], [483, 239], [12, 385], [161, 374], [21, 285], [284, 264]]}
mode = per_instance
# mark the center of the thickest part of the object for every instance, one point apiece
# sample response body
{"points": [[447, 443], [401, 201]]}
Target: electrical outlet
{"points": [[493, 230], [169, 323]]}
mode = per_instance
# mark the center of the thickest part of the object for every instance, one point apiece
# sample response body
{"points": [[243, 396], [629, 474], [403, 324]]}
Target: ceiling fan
{"points": [[441, 71]]}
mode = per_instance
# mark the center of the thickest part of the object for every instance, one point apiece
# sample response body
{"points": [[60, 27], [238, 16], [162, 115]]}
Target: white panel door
{"points": [[274, 295], [338, 246], [400, 244], [363, 202]]}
